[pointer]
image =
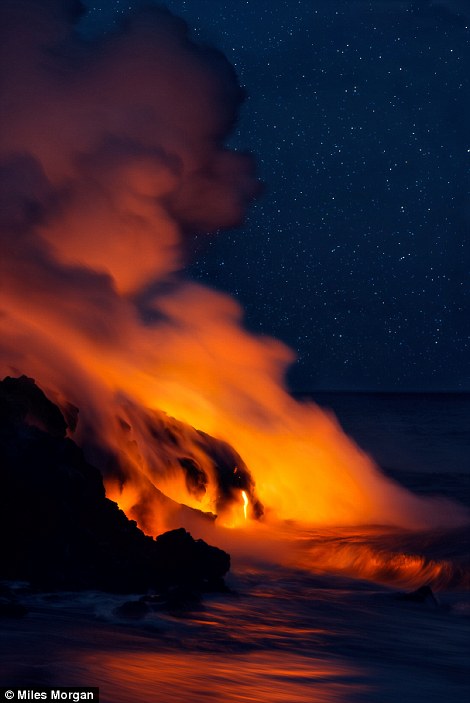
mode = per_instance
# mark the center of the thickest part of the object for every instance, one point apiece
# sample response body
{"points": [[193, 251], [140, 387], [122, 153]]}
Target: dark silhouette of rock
{"points": [[180, 598], [423, 594], [60, 531], [22, 400], [188, 560], [132, 610]]}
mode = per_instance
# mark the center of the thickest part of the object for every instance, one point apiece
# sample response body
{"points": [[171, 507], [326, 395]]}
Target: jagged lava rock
{"points": [[58, 530], [21, 400]]}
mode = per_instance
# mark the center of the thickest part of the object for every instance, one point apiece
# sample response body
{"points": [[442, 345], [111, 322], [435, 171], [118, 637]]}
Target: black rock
{"points": [[189, 561], [181, 598], [132, 610], [174, 598], [57, 528], [22, 401], [423, 594]]}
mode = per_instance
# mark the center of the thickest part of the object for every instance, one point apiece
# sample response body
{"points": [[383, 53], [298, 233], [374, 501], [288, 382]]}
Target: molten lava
{"points": [[113, 157], [245, 504]]}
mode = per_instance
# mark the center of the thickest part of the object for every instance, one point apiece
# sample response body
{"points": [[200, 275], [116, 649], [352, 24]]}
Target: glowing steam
{"points": [[112, 155]]}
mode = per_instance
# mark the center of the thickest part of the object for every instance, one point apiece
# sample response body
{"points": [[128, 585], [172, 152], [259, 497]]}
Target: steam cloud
{"points": [[112, 155]]}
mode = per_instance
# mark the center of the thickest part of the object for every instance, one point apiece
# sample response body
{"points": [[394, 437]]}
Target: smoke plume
{"points": [[113, 154]]}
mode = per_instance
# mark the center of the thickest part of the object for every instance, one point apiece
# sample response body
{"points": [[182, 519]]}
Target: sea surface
{"points": [[293, 633]]}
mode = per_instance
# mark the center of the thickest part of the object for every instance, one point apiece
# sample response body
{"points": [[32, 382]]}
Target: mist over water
{"points": [[304, 631], [113, 155]]}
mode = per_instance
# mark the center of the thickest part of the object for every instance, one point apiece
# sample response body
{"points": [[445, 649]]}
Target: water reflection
{"points": [[177, 677]]}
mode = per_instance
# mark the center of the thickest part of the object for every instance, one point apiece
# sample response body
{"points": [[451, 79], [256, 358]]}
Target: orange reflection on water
{"points": [[169, 677], [374, 554]]}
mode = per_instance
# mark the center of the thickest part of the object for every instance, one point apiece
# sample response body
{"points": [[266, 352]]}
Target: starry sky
{"points": [[357, 252]]}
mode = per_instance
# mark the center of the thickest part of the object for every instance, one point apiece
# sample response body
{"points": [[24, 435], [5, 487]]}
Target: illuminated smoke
{"points": [[112, 155]]}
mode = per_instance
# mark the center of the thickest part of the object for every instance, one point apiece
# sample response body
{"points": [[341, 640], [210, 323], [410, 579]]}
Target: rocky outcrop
{"points": [[58, 530]]}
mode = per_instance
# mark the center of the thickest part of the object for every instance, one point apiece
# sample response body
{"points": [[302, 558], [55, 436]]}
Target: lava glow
{"points": [[245, 504], [112, 155]]}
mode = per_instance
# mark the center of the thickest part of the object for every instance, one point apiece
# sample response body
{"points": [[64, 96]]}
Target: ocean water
{"points": [[298, 633]]}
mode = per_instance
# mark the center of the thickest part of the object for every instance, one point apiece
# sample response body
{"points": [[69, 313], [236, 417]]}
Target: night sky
{"points": [[357, 253]]}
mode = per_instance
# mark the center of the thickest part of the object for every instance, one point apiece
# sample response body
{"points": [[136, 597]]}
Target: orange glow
{"points": [[363, 554], [202, 368], [124, 157], [262, 677]]}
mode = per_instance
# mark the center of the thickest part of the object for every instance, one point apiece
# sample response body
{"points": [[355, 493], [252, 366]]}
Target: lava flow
{"points": [[113, 157], [246, 503]]}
